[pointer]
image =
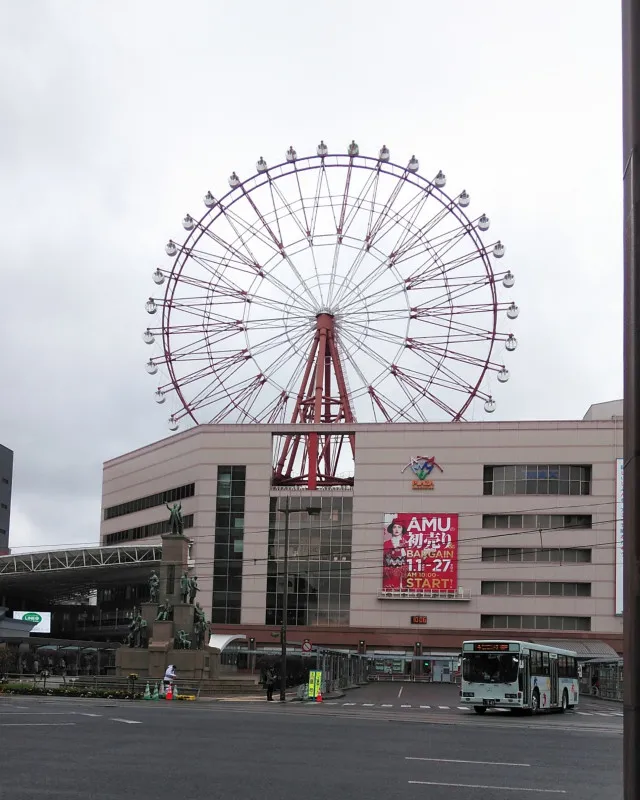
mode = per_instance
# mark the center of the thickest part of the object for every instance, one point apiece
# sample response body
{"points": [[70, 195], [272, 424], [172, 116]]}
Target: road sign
{"points": [[306, 646]]}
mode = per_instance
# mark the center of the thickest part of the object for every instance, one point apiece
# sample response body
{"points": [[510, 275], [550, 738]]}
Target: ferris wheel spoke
{"points": [[378, 333], [420, 312], [404, 378], [452, 325], [433, 267], [438, 352], [418, 240], [454, 289], [374, 299], [365, 347]]}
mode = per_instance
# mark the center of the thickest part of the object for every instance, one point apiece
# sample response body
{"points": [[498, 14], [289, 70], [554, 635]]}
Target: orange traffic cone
{"points": [[169, 694], [319, 697]]}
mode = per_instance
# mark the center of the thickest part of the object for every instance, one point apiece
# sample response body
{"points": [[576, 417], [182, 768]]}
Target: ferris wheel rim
{"points": [[301, 165]]}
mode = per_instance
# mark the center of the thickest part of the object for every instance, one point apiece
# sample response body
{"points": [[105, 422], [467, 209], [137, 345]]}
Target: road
{"points": [[70, 749]]}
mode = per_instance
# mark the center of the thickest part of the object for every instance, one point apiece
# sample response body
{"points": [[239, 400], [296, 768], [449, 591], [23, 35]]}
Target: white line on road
{"points": [[460, 761], [386, 705], [127, 721], [444, 707], [425, 706], [464, 708], [35, 724], [83, 714], [497, 788], [368, 705], [405, 706], [348, 704], [400, 692], [584, 713]]}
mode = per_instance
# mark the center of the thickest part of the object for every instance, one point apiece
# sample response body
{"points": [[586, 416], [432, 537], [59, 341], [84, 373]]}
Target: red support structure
{"points": [[315, 404]]}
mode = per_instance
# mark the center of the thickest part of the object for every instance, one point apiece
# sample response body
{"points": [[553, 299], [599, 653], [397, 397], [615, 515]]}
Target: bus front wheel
{"points": [[479, 709]]}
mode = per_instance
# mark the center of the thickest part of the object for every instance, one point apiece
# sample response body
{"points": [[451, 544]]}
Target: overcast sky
{"points": [[117, 117]]}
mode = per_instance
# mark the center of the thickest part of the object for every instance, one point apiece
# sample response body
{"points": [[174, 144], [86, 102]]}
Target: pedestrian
{"points": [[269, 682], [169, 677]]}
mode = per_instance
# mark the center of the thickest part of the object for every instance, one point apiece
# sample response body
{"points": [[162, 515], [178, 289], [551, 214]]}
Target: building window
{"points": [[151, 501], [228, 545], [538, 589], [566, 555], [536, 521], [319, 591], [144, 531], [526, 622], [537, 479]]}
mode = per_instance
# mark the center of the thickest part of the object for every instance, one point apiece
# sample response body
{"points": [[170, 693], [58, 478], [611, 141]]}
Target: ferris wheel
{"points": [[331, 288]]}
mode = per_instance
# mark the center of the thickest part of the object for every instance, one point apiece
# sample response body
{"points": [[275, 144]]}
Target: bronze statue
{"points": [[154, 587], [134, 629], [144, 633], [165, 612], [182, 641], [176, 522], [184, 587], [193, 589], [200, 626]]}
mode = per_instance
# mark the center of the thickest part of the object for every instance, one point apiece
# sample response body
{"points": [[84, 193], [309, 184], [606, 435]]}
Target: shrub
{"points": [[67, 691]]}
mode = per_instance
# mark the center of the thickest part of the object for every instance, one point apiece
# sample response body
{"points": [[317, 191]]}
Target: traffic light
{"points": [[362, 647], [417, 649], [252, 644], [426, 665]]}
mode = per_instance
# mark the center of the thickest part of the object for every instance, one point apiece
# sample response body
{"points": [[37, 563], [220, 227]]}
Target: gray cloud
{"points": [[116, 119]]}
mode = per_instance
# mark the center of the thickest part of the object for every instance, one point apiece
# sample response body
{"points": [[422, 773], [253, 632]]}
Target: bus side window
{"points": [[545, 664], [563, 671], [573, 667]]}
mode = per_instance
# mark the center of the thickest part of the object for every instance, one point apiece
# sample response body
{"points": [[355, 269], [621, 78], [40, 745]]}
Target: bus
{"points": [[518, 676]]}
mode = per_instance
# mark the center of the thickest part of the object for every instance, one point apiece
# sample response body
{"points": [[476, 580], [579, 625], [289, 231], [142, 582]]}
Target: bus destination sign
{"points": [[491, 647]]}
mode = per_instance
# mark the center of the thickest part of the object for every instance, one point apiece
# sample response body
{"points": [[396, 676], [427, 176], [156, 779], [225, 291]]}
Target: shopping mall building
{"points": [[449, 531]]}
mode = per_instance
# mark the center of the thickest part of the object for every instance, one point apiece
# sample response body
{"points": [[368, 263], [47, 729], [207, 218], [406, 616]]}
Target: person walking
{"points": [[269, 682], [169, 677]]}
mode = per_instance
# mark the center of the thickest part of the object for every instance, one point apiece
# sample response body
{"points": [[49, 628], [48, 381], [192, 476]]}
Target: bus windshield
{"points": [[490, 667]]}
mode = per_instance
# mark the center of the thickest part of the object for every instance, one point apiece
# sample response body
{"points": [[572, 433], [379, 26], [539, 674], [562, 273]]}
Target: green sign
{"points": [[32, 617]]}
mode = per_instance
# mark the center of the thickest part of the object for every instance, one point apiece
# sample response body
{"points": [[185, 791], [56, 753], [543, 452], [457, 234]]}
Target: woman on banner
{"points": [[395, 568]]}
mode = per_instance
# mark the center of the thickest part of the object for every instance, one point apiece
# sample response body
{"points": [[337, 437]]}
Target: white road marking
{"points": [[330, 703], [387, 705], [584, 713], [461, 761], [405, 706], [35, 724], [348, 704], [616, 714], [400, 692], [127, 721], [425, 706], [463, 708], [481, 786], [83, 714], [444, 707], [368, 705], [601, 714]]}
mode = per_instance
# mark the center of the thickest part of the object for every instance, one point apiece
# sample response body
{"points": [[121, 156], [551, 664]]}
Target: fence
{"points": [[603, 678]]}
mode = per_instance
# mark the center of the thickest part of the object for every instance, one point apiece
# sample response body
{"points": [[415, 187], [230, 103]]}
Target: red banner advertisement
{"points": [[420, 552]]}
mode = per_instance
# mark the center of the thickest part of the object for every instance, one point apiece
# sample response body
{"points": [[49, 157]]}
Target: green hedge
{"points": [[67, 691]]}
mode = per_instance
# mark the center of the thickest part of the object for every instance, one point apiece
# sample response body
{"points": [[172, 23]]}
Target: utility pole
{"points": [[287, 511], [631, 183]]}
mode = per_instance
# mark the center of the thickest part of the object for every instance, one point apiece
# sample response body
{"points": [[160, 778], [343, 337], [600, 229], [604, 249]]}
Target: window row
{"points": [[565, 555], [561, 479], [527, 622], [151, 501], [228, 545], [145, 531], [536, 521], [537, 588]]}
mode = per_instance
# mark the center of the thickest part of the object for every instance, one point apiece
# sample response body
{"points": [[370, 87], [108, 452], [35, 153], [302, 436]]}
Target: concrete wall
{"points": [[381, 488]]}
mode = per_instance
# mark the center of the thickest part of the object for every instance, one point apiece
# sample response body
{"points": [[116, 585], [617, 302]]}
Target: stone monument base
{"points": [[191, 665]]}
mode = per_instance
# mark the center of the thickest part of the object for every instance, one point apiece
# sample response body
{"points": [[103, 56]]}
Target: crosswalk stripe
{"points": [[405, 706], [368, 705], [444, 707], [425, 706], [387, 705]]}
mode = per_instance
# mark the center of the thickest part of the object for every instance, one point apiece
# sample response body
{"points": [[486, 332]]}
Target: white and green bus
{"points": [[518, 676]]}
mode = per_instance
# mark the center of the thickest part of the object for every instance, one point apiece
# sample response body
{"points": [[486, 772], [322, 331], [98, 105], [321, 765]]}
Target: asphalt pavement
{"points": [[62, 748]]}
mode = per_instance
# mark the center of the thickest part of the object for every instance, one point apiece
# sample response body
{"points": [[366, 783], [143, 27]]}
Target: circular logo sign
{"points": [[32, 617]]}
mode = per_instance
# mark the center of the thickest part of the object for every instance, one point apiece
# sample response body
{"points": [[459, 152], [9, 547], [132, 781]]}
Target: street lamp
{"points": [[287, 511]]}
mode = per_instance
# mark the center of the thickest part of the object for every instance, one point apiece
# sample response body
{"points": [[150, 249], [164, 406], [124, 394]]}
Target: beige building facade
{"points": [[534, 503]]}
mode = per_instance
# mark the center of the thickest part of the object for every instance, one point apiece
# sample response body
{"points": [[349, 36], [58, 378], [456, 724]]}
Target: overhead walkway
{"points": [[55, 574]]}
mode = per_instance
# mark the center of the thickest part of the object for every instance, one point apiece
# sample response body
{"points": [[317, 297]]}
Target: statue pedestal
{"points": [[183, 619], [162, 634], [149, 611]]}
